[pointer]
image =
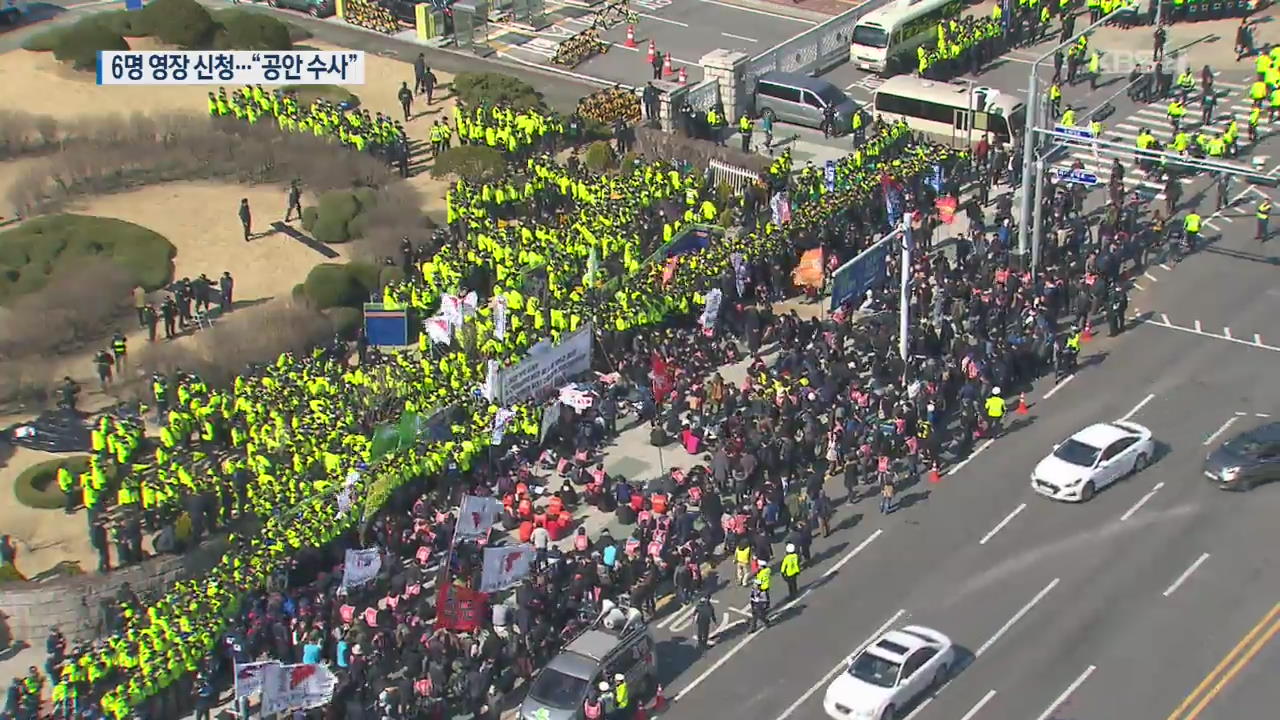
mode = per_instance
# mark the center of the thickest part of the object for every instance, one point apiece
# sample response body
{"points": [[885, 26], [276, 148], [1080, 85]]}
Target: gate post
{"points": [[728, 68]]}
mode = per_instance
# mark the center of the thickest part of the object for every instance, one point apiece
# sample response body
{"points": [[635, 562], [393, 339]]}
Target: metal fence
{"points": [[735, 177], [704, 95], [813, 51]]}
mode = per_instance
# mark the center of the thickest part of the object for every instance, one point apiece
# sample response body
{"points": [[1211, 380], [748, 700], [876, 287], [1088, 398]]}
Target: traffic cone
{"points": [[935, 476], [667, 70], [684, 77], [659, 700], [631, 36], [1087, 335], [1022, 404], [653, 50]]}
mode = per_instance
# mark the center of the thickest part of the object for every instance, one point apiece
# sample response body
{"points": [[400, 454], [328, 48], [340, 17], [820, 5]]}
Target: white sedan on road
{"points": [[1092, 459], [890, 674]]}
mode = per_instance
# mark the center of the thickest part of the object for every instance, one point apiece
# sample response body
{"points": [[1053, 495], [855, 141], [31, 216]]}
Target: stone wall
{"points": [[28, 611]]}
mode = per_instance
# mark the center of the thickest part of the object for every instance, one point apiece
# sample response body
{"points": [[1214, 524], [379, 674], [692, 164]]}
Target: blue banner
{"points": [[865, 272]]}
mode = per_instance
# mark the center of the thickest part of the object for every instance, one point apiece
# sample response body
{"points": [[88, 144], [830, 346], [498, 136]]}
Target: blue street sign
{"points": [[830, 175], [865, 272], [1079, 177], [1084, 133]]}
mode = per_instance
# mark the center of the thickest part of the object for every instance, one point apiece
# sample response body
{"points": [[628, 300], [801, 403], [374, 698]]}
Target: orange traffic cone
{"points": [[934, 475], [631, 36], [1087, 335], [659, 700], [653, 50], [1022, 404], [667, 70], [684, 78]]}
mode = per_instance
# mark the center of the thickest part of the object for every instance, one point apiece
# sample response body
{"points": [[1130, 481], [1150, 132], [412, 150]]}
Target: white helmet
{"points": [[791, 547], [995, 390]]}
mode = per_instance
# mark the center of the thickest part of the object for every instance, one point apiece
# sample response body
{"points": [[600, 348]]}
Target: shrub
{"points": [[339, 215], [129, 23], [46, 40], [332, 285], [485, 88], [346, 320], [331, 230], [599, 156], [80, 44], [36, 249], [79, 303], [253, 31], [184, 23], [473, 163], [37, 486], [309, 217], [367, 274]]}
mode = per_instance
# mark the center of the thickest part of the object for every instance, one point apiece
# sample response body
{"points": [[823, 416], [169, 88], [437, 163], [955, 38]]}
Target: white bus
{"points": [[953, 111], [885, 40]]}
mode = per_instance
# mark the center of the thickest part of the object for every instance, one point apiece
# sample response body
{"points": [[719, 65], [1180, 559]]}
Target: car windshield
{"points": [[870, 36], [556, 689], [1077, 453], [832, 95], [875, 670]]}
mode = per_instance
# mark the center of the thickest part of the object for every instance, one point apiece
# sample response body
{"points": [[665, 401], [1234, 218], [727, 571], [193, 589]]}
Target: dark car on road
{"points": [[1246, 460], [314, 8]]}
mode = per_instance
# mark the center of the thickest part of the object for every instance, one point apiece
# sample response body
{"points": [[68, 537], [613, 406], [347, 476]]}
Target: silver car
{"points": [[802, 100]]}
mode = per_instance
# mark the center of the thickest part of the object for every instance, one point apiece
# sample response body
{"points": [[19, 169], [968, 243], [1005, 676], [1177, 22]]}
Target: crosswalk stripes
{"points": [[1233, 100]]}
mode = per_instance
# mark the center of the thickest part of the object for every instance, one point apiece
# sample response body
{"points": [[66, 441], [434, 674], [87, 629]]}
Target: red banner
{"points": [[660, 373], [460, 608]]}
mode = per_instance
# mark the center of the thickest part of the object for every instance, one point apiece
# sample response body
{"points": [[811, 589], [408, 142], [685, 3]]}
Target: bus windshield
{"points": [[870, 36]]}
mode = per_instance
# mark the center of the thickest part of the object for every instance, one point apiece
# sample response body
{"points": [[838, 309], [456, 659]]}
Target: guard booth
{"points": [[531, 14], [471, 26], [386, 328]]}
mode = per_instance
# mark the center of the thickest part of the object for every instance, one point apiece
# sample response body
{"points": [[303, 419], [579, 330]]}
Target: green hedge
{"points": [[185, 23], [339, 215], [80, 44], [129, 23], [346, 320], [599, 156], [34, 250], [486, 88], [252, 31], [330, 285], [473, 163], [307, 94], [37, 486]]}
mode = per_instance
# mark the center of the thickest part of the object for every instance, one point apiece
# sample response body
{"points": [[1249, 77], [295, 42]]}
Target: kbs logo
{"points": [[1122, 61]]}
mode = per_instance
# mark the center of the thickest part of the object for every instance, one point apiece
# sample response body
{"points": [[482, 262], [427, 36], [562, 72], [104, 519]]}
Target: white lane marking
{"points": [[671, 619], [1139, 287], [853, 553], [1198, 328], [834, 671], [1141, 501], [1209, 223], [1241, 414], [1262, 415], [1222, 429], [1000, 526], [740, 8], [662, 19], [1075, 685], [1138, 407], [726, 626], [786, 606], [972, 455], [688, 618], [1186, 574], [1226, 333], [1255, 189], [920, 708], [1166, 267], [1255, 343], [1151, 277], [739, 37], [1053, 390], [1016, 617], [973, 711], [1164, 317]]}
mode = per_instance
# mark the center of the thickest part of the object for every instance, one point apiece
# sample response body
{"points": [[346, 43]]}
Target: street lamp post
{"points": [[1033, 107]]}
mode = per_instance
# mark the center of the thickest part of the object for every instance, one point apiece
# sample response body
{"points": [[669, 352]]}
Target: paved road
{"points": [[687, 29], [1041, 591]]}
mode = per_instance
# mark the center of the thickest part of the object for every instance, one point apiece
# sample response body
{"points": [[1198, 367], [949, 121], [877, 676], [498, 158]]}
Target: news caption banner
{"points": [[231, 67]]}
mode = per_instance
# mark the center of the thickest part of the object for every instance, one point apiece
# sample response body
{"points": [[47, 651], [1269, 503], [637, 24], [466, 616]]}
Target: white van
{"points": [[885, 40], [951, 112]]}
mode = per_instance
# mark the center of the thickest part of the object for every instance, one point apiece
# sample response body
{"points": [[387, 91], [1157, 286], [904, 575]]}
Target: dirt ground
{"points": [[198, 218]]}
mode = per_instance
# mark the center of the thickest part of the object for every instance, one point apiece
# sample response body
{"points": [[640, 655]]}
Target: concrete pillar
{"points": [[728, 68], [670, 98]]}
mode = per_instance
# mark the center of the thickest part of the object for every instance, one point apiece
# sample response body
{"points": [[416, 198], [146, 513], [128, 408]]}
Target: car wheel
{"points": [[1141, 463], [1087, 493], [890, 713], [273, 3]]}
